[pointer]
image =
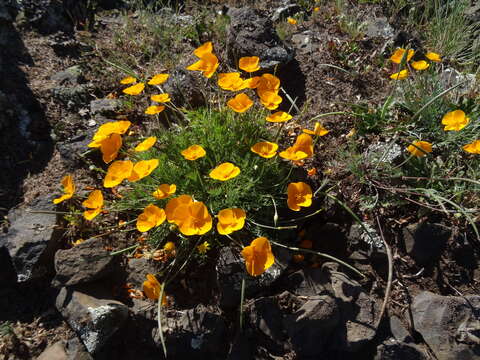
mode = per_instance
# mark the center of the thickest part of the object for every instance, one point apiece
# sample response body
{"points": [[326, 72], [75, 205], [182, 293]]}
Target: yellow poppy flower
{"points": [[206, 48], [269, 99], [231, 81], [161, 98], [249, 63], [258, 256], [146, 144], [279, 116], [117, 172], [142, 169], [110, 147], [152, 288], [299, 195], [193, 152], [251, 83], [158, 79], [154, 109], [68, 189], [107, 129], [94, 203], [203, 247], [151, 217], [398, 55], [207, 64], [192, 218], [303, 148], [265, 149], [164, 191], [173, 204], [319, 130], [134, 89], [433, 56], [400, 75], [225, 171], [230, 220], [473, 148], [240, 103], [291, 21], [128, 80], [455, 120], [316, 8], [420, 65], [268, 82], [420, 148]]}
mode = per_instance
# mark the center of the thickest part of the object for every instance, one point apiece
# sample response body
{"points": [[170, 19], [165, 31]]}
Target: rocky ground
{"points": [[59, 301]]}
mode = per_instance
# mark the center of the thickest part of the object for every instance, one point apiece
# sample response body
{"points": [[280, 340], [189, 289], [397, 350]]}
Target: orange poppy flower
{"points": [[398, 55], [455, 120], [117, 172], [110, 147], [420, 148], [193, 219], [152, 288], [154, 109], [151, 217], [265, 149], [269, 99], [193, 152], [240, 103], [433, 56], [206, 48], [173, 204], [158, 79], [146, 144], [299, 195], [142, 169], [291, 21], [319, 130], [230, 220], [400, 75], [208, 64], [94, 202], [302, 148], [268, 82], [134, 89], [279, 116], [249, 63], [251, 83], [473, 148], [164, 191], [128, 80], [231, 81], [107, 129], [420, 65], [258, 256], [68, 189], [225, 171], [161, 98]]}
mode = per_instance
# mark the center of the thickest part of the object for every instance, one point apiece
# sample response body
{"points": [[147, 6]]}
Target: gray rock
{"points": [[73, 97], [314, 325], [230, 271], [46, 16], [383, 152], [394, 350], [379, 27], [450, 77], [70, 76], [399, 332], [184, 89], [252, 34], [137, 271], [95, 318], [197, 333], [448, 324], [305, 282], [358, 310], [424, 242], [104, 106], [84, 263], [32, 239], [72, 349], [7, 272]]}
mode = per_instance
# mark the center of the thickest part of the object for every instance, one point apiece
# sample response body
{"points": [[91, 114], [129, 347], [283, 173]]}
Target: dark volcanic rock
{"points": [[448, 324], [95, 318], [184, 89], [196, 333], [32, 239], [424, 242], [252, 34], [46, 16], [104, 106], [72, 349], [86, 262], [394, 350], [399, 332]]}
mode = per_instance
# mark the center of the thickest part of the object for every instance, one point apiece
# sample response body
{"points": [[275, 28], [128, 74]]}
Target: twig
{"points": [[390, 275]]}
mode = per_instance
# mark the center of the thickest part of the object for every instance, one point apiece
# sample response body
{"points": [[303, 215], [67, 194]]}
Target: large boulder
{"points": [[448, 324], [253, 34], [72, 349]]}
